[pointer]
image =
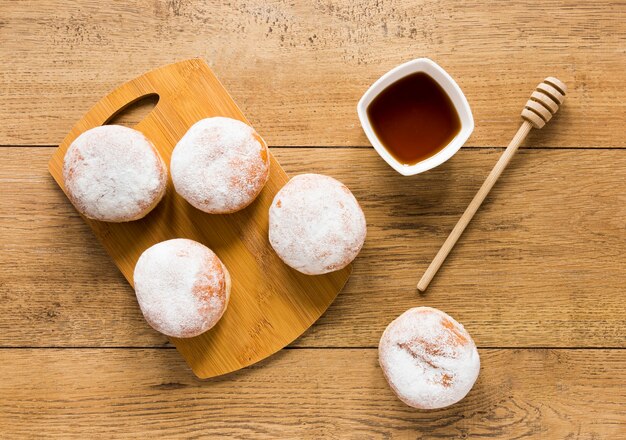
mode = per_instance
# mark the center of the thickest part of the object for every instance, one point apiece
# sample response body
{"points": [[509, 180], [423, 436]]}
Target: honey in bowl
{"points": [[414, 118]]}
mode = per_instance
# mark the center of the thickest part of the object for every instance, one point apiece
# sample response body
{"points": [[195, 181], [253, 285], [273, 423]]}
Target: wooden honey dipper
{"points": [[542, 105]]}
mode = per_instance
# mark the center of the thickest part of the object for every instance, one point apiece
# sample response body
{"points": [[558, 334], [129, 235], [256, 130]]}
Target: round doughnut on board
{"points": [[270, 303]]}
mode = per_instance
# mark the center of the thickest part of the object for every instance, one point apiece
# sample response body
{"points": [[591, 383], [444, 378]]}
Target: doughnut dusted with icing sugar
{"points": [[316, 225], [220, 165], [429, 359], [182, 287], [113, 173]]}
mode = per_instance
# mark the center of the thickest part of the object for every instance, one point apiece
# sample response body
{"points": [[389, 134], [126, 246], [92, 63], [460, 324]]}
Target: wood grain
{"points": [[542, 263], [551, 394], [270, 304], [297, 69]]}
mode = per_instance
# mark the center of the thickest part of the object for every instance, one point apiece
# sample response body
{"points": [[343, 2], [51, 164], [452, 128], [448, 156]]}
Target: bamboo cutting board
{"points": [[270, 304]]}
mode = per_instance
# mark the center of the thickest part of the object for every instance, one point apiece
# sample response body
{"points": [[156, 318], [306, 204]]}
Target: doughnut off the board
{"points": [[429, 360]]}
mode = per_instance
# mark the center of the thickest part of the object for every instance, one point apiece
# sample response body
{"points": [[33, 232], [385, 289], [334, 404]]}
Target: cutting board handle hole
{"points": [[135, 111]]}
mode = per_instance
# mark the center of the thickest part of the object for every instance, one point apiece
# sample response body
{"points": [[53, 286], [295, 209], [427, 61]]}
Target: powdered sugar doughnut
{"points": [[220, 165], [316, 225], [113, 173], [429, 359], [182, 287]]}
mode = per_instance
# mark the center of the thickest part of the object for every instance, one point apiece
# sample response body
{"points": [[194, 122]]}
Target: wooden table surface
{"points": [[538, 278]]}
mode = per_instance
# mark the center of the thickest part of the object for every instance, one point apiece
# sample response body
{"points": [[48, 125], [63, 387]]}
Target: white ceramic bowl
{"points": [[452, 90]]}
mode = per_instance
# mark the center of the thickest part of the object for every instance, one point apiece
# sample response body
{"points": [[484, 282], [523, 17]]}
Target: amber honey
{"points": [[414, 118]]}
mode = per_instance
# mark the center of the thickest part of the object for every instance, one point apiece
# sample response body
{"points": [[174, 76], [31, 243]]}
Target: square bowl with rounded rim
{"points": [[453, 91]]}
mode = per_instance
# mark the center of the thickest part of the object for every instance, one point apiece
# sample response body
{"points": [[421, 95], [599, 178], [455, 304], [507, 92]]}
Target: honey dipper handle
{"points": [[474, 205]]}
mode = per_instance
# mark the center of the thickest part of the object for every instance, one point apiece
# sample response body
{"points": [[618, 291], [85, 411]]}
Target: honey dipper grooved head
{"points": [[544, 102]]}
